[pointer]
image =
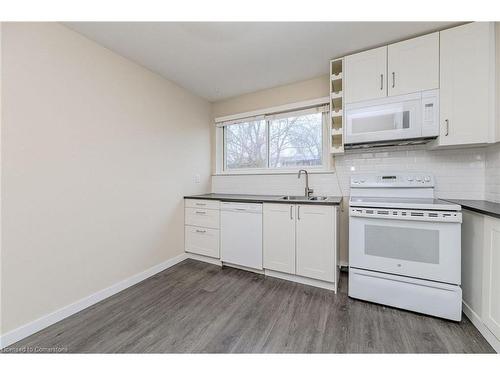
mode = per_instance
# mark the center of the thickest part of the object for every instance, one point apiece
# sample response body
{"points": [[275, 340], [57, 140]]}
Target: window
{"points": [[245, 145], [282, 141]]}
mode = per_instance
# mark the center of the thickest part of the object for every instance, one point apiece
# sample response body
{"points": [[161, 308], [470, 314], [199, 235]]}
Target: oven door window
{"points": [[409, 244]]}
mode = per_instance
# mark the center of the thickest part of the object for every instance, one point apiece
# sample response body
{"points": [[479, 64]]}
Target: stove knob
{"points": [[356, 181], [427, 179], [362, 181], [419, 179], [410, 179]]}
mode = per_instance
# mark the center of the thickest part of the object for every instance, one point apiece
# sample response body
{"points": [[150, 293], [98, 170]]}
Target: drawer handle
{"points": [[201, 231], [201, 204], [201, 212]]}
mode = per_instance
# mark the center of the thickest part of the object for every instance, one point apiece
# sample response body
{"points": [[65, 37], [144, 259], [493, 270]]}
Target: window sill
{"points": [[273, 172]]}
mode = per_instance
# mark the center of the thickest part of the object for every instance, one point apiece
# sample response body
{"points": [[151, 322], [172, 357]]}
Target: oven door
{"points": [[429, 250], [384, 120]]}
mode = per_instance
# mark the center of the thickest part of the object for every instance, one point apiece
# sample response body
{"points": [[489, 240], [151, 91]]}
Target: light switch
{"points": [[197, 179]]}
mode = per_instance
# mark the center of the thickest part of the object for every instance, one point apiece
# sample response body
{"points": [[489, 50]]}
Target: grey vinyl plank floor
{"points": [[196, 307]]}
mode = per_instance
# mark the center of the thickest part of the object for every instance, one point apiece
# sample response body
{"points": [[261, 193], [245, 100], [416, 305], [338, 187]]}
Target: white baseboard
{"points": [[478, 323], [28, 329], [203, 258], [302, 280]]}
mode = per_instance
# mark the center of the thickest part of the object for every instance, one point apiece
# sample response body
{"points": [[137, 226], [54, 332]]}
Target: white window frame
{"points": [[325, 157]]}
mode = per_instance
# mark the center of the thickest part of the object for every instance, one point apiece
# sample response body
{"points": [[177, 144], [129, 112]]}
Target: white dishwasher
{"points": [[241, 234]]}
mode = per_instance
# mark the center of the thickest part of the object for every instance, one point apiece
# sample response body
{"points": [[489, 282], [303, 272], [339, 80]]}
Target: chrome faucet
{"points": [[307, 190]]}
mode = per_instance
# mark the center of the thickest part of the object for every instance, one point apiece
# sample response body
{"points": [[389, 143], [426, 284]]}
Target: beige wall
{"points": [[295, 92], [97, 153]]}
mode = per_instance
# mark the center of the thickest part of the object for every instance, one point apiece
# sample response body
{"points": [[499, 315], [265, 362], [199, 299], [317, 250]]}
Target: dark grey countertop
{"points": [[262, 198], [483, 207]]}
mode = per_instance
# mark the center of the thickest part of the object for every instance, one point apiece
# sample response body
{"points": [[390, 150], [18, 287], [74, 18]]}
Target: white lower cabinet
{"points": [[315, 242], [201, 227], [279, 237], [481, 273], [491, 275], [301, 240], [203, 241]]}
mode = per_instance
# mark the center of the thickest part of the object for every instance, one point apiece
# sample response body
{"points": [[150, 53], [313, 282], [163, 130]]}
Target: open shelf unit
{"points": [[337, 106]]}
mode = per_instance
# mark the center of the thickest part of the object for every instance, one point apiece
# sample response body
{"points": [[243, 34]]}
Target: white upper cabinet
{"points": [[366, 75], [467, 84], [316, 232], [413, 65], [279, 237]]}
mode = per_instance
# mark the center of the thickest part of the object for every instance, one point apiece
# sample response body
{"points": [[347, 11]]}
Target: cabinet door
{"points": [[279, 237], [491, 275], [466, 84], [203, 241], [413, 65], [316, 242], [366, 75]]}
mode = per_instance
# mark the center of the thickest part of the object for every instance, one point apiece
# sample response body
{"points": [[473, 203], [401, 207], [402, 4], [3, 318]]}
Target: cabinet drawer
{"points": [[202, 203], [201, 217], [203, 241]]}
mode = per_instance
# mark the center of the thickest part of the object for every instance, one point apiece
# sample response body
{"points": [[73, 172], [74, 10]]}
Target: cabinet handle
{"points": [[201, 212], [447, 122], [291, 212], [201, 204], [298, 212], [200, 231], [381, 82], [393, 79]]}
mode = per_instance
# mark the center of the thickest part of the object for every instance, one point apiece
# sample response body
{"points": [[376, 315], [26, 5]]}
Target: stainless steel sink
{"points": [[302, 198], [294, 198], [318, 198]]}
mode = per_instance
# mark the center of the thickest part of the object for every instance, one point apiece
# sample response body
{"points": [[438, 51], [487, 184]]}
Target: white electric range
{"points": [[404, 245]]}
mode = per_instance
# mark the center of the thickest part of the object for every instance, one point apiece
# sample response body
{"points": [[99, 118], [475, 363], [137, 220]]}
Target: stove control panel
{"points": [[396, 180]]}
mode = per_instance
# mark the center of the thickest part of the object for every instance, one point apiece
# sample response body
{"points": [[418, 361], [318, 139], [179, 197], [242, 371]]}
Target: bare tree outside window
{"points": [[246, 145], [294, 141]]}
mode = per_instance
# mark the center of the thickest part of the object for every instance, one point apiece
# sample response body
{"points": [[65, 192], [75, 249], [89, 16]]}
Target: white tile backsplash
{"points": [[458, 173], [493, 173]]}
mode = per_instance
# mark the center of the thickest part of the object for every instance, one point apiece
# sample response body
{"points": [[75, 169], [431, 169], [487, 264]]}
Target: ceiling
{"points": [[218, 60]]}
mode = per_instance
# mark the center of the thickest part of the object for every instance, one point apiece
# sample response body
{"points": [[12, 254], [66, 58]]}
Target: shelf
{"points": [[336, 106], [337, 113], [337, 150], [337, 95], [337, 131], [336, 77]]}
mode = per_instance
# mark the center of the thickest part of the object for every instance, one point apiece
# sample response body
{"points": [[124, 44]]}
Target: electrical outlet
{"points": [[196, 178]]}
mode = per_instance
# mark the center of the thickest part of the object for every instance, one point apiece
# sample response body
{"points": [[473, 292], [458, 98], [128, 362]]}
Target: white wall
{"points": [[493, 173], [459, 173], [97, 153]]}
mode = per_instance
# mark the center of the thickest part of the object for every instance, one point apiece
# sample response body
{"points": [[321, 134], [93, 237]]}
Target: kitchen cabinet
{"points": [[301, 240], [413, 65], [467, 84], [400, 68], [279, 237], [481, 273], [315, 242], [491, 275], [201, 227], [366, 75]]}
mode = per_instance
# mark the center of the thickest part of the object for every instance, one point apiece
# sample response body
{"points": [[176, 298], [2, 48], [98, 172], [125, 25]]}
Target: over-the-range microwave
{"points": [[397, 118]]}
